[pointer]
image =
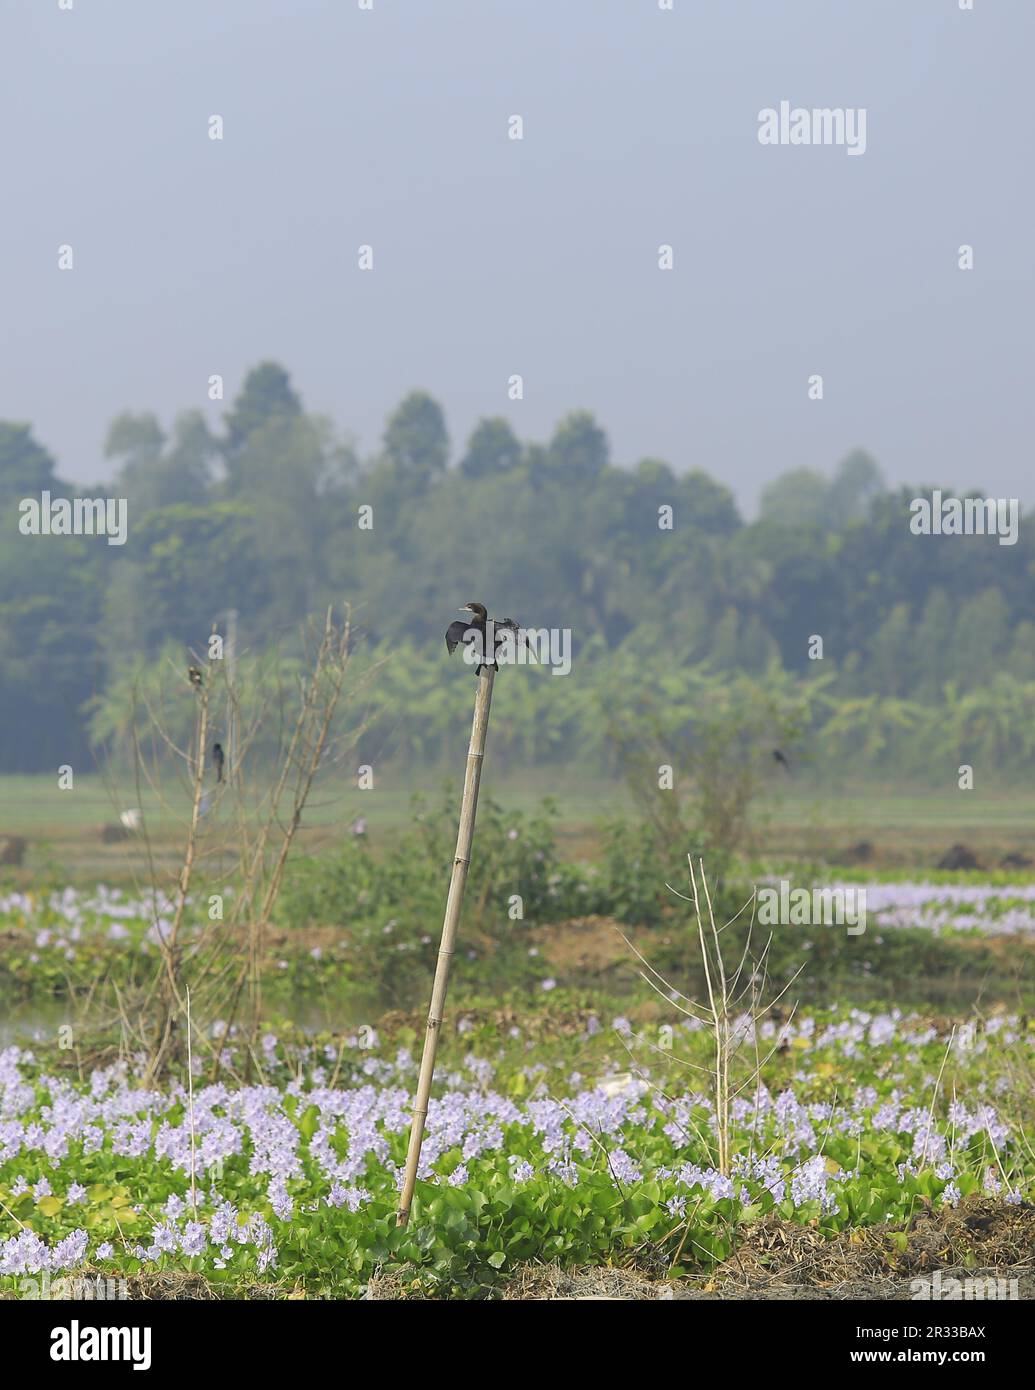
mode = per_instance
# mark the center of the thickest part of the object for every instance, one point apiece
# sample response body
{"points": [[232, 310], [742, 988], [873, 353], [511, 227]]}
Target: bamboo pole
{"points": [[454, 902]]}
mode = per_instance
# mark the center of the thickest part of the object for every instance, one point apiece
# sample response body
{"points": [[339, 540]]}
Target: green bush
{"points": [[389, 898]]}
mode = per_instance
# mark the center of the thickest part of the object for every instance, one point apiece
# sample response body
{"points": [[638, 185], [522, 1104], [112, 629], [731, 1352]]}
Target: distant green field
{"points": [[34, 805], [794, 818]]}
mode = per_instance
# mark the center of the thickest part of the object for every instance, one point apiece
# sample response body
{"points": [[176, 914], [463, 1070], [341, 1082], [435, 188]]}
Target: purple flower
{"points": [[70, 1251], [194, 1239]]}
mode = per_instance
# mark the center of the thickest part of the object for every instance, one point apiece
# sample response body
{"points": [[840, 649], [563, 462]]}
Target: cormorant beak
{"points": [[466, 609]]}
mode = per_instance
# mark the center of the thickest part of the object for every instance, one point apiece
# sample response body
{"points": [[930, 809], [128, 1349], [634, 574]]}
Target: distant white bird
{"points": [[131, 818]]}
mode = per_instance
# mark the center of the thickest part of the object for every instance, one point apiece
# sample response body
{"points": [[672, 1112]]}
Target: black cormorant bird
{"points": [[778, 757], [457, 631], [219, 758]]}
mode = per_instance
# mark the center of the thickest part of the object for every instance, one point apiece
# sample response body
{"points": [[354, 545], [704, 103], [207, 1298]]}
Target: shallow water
{"points": [[31, 1020], [27, 1021]]}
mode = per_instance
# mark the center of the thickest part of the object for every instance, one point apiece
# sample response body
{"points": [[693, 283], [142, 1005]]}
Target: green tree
{"points": [[189, 459], [25, 466], [416, 441], [1021, 661], [980, 639], [891, 653], [797, 498], [134, 441], [267, 394], [579, 450], [149, 478], [856, 482], [492, 448], [288, 473], [194, 563], [932, 645], [702, 504]]}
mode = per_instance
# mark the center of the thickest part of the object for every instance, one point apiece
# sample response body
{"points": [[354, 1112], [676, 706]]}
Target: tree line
{"points": [[663, 582]]}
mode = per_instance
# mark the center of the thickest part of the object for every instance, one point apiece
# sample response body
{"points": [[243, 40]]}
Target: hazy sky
{"points": [[537, 257]]}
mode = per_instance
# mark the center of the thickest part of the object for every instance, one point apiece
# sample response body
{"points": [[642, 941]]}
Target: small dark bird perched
{"points": [[219, 758], [457, 631], [779, 757], [194, 676]]}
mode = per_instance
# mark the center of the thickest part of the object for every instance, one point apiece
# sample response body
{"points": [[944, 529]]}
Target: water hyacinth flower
{"points": [[280, 1199], [623, 1168], [810, 1183], [352, 1198], [194, 1239], [556, 1129], [24, 1254]]}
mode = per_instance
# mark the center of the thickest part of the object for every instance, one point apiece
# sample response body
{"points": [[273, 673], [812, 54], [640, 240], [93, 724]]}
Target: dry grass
{"points": [[781, 1260]]}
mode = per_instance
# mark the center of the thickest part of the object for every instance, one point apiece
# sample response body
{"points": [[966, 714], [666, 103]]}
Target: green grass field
{"points": [[798, 820]]}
